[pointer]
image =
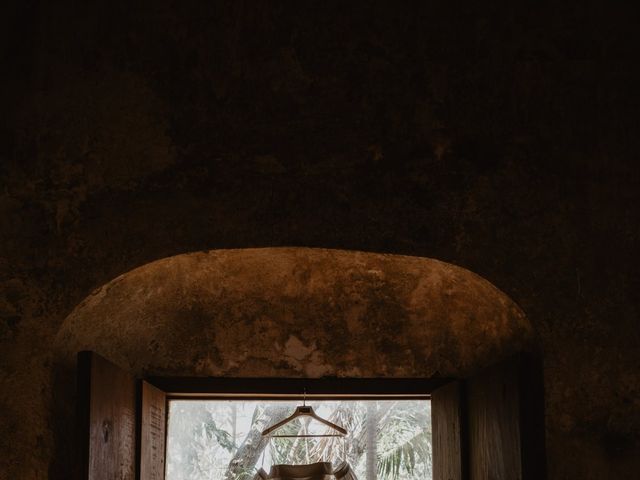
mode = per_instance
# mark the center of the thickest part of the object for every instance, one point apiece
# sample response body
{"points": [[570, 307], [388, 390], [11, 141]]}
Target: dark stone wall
{"points": [[498, 136]]}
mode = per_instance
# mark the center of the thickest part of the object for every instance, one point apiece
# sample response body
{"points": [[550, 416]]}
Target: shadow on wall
{"points": [[289, 312]]}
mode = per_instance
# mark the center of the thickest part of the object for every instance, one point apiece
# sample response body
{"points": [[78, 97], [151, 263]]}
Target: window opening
{"points": [[388, 438]]}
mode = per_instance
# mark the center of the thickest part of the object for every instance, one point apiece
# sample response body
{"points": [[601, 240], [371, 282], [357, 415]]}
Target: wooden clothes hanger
{"points": [[305, 411]]}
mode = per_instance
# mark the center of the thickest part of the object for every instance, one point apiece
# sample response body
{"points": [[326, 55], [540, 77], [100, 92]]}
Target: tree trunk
{"points": [[372, 428], [242, 464]]}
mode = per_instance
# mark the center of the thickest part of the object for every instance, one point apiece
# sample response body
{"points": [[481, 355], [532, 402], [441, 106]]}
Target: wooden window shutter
{"points": [[153, 417], [491, 426], [107, 420], [506, 421], [447, 432]]}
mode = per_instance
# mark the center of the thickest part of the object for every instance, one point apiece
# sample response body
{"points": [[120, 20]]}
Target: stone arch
{"points": [[299, 312]]}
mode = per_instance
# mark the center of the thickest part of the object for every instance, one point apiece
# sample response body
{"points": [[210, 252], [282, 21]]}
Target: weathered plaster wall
{"points": [[498, 136], [297, 312]]}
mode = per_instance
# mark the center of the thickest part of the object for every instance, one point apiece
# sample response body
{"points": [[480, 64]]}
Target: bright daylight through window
{"points": [[222, 439]]}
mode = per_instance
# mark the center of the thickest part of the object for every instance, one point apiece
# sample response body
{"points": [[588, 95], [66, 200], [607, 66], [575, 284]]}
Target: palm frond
{"points": [[404, 457]]}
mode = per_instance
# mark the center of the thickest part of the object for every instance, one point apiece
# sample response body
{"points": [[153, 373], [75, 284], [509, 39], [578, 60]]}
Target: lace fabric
{"points": [[313, 471]]}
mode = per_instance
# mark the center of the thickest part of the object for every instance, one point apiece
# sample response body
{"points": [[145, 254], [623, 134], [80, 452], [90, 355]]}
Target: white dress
{"points": [[312, 471]]}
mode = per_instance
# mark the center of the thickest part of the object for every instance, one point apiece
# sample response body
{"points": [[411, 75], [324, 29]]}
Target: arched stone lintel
{"points": [[297, 312]]}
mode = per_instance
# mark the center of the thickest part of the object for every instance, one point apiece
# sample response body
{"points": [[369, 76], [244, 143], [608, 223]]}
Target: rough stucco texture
{"points": [[297, 312], [498, 136]]}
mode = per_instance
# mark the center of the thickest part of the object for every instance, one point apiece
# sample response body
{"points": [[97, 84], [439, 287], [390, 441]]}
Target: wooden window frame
{"points": [[490, 425], [279, 388], [274, 388]]}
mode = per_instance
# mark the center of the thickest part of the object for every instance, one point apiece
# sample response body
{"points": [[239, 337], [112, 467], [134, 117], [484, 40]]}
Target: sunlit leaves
{"points": [[201, 444]]}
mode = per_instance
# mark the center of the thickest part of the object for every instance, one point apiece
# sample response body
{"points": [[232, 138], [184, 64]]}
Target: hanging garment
{"points": [[313, 471]]}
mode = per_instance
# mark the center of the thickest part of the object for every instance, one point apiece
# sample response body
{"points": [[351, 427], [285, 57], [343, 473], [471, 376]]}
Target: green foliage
{"points": [[404, 443], [202, 443]]}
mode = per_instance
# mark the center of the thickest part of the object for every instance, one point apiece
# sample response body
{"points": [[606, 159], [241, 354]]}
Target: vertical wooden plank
{"points": [[107, 419], [494, 430], [447, 428], [506, 423], [152, 432]]}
